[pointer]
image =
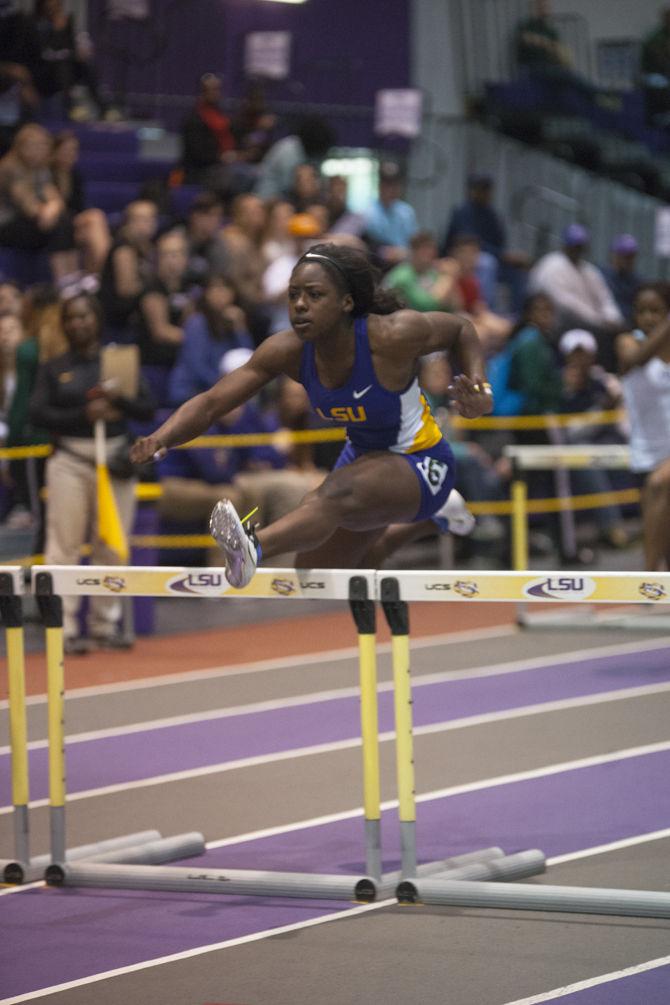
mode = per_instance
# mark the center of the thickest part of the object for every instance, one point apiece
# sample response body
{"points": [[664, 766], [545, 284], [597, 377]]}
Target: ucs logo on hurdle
{"points": [[652, 591], [560, 588]]}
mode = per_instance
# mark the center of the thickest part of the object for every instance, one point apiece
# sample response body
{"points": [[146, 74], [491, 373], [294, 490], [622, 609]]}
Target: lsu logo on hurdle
{"points": [[560, 588], [652, 591], [203, 584]]}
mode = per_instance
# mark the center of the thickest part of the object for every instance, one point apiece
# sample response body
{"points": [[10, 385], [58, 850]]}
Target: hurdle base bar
{"points": [[430, 890], [446, 865], [141, 847], [585, 620], [232, 882], [564, 899]]}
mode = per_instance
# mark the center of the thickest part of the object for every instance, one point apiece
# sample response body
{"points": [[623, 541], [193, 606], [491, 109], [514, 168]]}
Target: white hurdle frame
{"points": [[465, 880]]}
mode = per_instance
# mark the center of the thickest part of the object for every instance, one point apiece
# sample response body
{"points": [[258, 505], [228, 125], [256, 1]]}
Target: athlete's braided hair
{"points": [[355, 274]]}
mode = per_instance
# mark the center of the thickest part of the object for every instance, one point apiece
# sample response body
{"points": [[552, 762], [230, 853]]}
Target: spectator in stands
{"points": [[253, 125], [128, 269], [587, 388], [579, 292], [208, 145], [305, 187], [11, 298], [11, 336], [540, 53], [33, 215], [390, 222], [303, 229], [277, 239], [68, 399], [644, 366], [67, 62], [243, 238], [165, 306], [217, 328], [426, 282], [620, 274], [207, 251], [492, 328], [19, 65], [310, 142], [45, 339], [496, 264], [194, 480], [341, 220], [655, 71], [90, 229]]}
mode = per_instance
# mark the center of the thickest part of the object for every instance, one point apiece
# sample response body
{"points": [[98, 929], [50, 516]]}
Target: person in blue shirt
{"points": [[621, 275], [218, 327], [357, 355], [390, 222]]}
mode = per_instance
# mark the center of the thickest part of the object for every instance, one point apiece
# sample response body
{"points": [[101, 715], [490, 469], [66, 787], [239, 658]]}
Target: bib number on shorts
{"points": [[433, 473]]}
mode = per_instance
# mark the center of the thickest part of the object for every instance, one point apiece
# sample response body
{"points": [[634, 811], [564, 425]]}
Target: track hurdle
{"points": [[359, 589], [477, 890]]}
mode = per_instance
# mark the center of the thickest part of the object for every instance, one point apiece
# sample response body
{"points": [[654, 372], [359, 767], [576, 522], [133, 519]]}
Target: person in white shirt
{"points": [[579, 292]]}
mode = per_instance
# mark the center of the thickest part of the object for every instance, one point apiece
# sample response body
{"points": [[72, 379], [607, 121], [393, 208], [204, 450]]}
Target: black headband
{"points": [[330, 261]]}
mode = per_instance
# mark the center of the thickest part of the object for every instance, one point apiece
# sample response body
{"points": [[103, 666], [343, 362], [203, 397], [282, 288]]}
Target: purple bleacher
{"points": [[98, 166], [111, 196], [182, 197], [24, 267]]}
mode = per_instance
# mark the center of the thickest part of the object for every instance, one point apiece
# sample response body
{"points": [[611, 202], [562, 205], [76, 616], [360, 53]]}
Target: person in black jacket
{"points": [[65, 61], [67, 400]]}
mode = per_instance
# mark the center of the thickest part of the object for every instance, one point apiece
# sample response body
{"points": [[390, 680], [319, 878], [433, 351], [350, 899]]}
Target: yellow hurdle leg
{"points": [[51, 608]]}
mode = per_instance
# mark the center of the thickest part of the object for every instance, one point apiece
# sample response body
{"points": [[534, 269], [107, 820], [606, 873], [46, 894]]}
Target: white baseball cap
{"points": [[577, 338]]}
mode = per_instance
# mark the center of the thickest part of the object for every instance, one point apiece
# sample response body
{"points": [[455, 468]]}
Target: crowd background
{"points": [[193, 272]]}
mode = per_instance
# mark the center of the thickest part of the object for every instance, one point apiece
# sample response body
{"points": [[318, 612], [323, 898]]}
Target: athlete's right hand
{"points": [[147, 448]]}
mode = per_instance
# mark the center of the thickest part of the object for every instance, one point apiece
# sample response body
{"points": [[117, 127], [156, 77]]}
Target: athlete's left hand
{"points": [[472, 397]]}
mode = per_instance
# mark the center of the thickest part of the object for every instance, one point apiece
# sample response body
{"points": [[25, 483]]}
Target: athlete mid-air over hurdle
{"points": [[356, 352]]}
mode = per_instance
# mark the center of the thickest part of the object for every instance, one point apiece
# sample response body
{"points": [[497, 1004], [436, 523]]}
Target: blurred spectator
{"points": [[304, 229], [277, 240], [208, 145], [45, 339], [206, 249], [644, 368], [310, 142], [390, 222], [128, 269], [426, 282], [620, 274], [496, 264], [253, 125], [243, 238], [11, 298], [587, 388], [655, 71], [68, 399], [90, 230], [217, 328], [579, 291], [525, 373], [492, 328], [11, 336], [19, 64], [540, 53], [32, 211], [341, 220], [67, 63], [165, 307], [305, 187]]}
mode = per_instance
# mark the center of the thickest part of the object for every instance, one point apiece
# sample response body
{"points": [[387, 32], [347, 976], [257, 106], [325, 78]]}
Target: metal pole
{"points": [[11, 614], [519, 530], [363, 612], [434, 889], [51, 609], [397, 615]]}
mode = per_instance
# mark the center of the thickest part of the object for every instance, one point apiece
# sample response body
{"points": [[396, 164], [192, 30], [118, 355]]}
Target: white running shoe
{"points": [[237, 542], [454, 516]]}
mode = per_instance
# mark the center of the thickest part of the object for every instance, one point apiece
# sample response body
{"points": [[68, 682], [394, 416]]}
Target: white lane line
{"points": [[603, 849], [423, 680], [593, 982], [310, 660], [486, 718], [199, 951]]}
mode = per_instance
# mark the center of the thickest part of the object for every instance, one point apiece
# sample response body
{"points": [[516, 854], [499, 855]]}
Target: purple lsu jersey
{"points": [[375, 418]]}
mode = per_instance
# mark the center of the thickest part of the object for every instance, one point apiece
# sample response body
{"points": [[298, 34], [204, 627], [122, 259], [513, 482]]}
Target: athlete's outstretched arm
{"points": [[273, 357]]}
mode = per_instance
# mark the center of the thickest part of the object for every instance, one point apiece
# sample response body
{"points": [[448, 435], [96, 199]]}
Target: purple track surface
{"points": [[575, 809], [649, 988], [129, 757]]}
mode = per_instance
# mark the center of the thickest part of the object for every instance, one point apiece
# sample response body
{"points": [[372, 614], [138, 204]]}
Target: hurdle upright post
{"points": [[363, 612], [397, 616], [51, 610], [11, 615]]}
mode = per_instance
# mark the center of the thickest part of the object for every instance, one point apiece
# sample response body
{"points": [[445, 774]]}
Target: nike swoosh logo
{"points": [[359, 394]]}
